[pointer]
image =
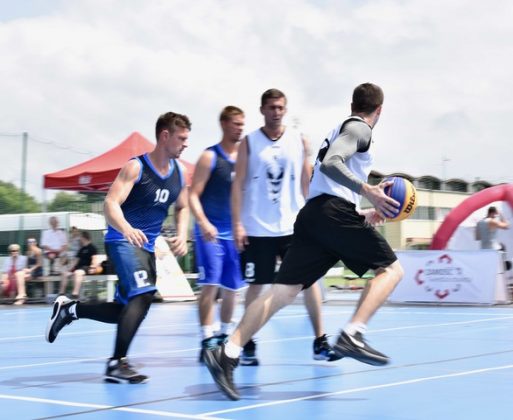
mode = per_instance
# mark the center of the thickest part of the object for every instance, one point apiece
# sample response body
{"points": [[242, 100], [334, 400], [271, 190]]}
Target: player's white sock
{"points": [[207, 331], [232, 350], [225, 328], [353, 327]]}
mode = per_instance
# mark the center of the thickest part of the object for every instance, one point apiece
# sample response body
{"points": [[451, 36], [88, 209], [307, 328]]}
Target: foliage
{"points": [[12, 200], [64, 201]]}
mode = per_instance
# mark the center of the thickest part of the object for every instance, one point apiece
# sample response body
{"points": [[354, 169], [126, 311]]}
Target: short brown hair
{"points": [[229, 112], [170, 121], [272, 94], [367, 97]]}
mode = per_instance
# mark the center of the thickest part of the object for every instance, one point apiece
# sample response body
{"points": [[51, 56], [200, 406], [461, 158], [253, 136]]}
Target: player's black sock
{"points": [[108, 312], [131, 317]]}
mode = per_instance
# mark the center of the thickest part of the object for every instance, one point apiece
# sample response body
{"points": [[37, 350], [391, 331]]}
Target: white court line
{"points": [[282, 316], [109, 407], [280, 340], [163, 327], [356, 390], [443, 324]]}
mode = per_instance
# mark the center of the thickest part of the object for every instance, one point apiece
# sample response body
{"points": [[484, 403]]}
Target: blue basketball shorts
{"points": [[135, 268], [218, 264]]}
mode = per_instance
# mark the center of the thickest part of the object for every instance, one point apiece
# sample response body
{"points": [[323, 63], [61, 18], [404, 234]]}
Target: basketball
{"points": [[403, 192]]}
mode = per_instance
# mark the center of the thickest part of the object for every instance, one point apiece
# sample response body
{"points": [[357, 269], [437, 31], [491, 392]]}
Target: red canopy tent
{"points": [[96, 174]]}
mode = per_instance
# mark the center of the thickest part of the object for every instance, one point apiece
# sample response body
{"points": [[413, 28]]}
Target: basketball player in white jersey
{"points": [[272, 174], [329, 228], [486, 229]]}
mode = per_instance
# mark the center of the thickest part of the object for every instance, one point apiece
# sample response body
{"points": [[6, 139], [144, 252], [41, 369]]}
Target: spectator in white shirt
{"points": [[54, 243]]}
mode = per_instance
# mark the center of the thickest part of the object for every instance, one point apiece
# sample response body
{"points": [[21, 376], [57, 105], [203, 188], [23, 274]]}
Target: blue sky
{"points": [[79, 76]]}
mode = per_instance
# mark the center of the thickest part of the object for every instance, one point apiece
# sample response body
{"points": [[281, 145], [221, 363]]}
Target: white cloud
{"points": [[87, 73]]}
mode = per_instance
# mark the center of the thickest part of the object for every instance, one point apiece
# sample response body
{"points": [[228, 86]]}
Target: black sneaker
{"points": [[248, 356], [119, 371], [221, 338], [61, 316], [206, 343], [323, 351], [221, 368], [355, 346]]}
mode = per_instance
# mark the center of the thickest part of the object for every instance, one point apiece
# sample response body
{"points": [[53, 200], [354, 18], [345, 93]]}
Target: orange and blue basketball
{"points": [[405, 193]]}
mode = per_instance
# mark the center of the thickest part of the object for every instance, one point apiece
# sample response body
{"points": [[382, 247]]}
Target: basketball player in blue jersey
{"points": [[330, 228], [216, 255], [272, 174], [135, 208]]}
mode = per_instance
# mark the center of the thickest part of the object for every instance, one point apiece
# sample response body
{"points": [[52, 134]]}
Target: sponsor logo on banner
{"points": [[84, 179], [441, 277]]}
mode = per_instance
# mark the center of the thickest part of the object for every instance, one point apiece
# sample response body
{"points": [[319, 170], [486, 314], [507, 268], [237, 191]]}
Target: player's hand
{"points": [[372, 217], [209, 232], [178, 245], [384, 205], [240, 237], [135, 237]]}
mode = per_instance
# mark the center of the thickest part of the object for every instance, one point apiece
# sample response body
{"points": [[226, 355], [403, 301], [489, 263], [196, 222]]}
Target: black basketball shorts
{"points": [[259, 259], [329, 229]]}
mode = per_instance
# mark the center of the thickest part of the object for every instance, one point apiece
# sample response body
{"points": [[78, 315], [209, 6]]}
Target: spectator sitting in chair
{"points": [[34, 268], [73, 246], [54, 243], [82, 266], [13, 275]]}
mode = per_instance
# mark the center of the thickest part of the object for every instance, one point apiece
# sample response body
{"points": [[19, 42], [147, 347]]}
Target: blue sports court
{"points": [[448, 362]]}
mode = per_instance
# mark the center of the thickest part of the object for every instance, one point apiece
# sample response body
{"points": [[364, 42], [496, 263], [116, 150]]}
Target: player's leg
{"points": [[322, 349], [222, 360], [298, 265], [306, 250], [377, 291], [231, 284], [137, 275], [342, 231], [258, 269], [209, 258]]}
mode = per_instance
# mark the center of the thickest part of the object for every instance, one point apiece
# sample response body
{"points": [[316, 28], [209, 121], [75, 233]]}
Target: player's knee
{"points": [[394, 271], [208, 293], [286, 293], [144, 302]]}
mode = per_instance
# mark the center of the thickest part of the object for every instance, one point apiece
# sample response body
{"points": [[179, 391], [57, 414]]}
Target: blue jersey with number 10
{"points": [[147, 205]]}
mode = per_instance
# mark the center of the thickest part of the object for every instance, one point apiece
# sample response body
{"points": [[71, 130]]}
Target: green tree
{"points": [[12, 200], [69, 202]]}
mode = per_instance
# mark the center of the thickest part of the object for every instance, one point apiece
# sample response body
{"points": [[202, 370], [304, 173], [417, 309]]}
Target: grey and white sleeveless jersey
{"points": [[359, 164], [488, 236], [272, 189]]}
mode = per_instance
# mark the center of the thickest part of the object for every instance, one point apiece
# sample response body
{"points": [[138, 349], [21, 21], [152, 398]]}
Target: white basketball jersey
{"points": [[359, 164], [272, 189]]}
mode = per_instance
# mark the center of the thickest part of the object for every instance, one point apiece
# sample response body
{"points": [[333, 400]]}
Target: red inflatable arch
{"points": [[466, 208]]}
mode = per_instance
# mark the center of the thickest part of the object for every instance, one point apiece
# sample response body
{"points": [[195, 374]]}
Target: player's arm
{"points": [[178, 243], [353, 140], [306, 173], [116, 196], [499, 223], [199, 180], [239, 233]]}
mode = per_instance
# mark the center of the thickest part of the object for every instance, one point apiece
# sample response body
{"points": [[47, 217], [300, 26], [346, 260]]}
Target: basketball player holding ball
{"points": [[330, 228]]}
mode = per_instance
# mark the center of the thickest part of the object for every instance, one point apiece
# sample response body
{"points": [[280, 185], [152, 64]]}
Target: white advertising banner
{"points": [[448, 277]]}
